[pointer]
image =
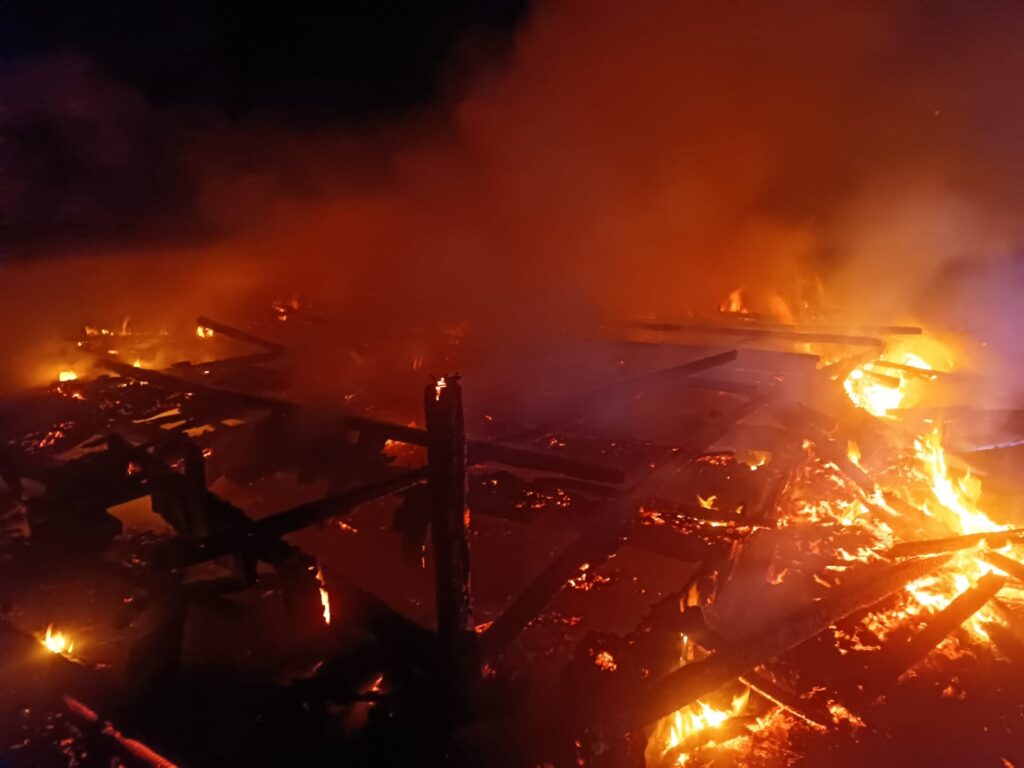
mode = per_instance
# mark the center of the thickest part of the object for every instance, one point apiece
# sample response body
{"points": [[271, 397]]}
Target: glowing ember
{"points": [[708, 503], [606, 661], [438, 386], [957, 495], [57, 642], [325, 598], [67, 376], [203, 332]]}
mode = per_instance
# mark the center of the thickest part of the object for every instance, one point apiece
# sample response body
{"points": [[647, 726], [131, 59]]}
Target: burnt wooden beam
{"points": [[484, 452], [573, 408], [955, 543], [478, 451], [816, 717], [239, 335], [449, 530], [603, 537], [905, 656], [781, 332], [1004, 563], [739, 657], [257, 535]]}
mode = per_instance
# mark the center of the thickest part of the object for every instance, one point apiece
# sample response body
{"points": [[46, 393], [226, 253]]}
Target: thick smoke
{"points": [[628, 159]]}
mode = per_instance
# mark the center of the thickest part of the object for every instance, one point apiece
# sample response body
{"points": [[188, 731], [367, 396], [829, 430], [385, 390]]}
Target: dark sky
{"points": [[99, 99]]}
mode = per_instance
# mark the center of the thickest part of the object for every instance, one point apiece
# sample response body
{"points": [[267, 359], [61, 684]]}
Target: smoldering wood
{"points": [[786, 333], [239, 335], [449, 530], [815, 716], [902, 658], [603, 537], [573, 408], [478, 451], [993, 539], [692, 681], [255, 535]]}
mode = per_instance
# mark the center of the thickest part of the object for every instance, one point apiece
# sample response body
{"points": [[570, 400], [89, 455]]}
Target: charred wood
{"points": [[737, 658], [955, 543]]}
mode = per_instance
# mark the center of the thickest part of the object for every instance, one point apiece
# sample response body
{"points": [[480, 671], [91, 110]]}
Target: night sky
{"points": [[101, 98]]}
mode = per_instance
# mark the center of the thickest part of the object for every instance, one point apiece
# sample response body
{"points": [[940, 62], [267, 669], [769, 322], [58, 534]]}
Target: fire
{"points": [[853, 452], [67, 376], [57, 642], [438, 386], [734, 302], [606, 661], [203, 332], [957, 495], [325, 598], [674, 731], [708, 503]]}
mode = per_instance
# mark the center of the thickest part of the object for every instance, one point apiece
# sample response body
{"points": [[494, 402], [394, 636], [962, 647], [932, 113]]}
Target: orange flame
{"points": [[203, 332], [57, 642], [325, 598], [67, 376]]}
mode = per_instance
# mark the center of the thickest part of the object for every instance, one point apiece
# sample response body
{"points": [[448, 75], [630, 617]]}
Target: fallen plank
{"points": [[785, 333], [901, 659], [602, 538], [256, 535], [955, 543], [239, 335], [692, 681]]}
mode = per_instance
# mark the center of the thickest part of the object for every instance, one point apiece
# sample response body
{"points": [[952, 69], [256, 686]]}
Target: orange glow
{"points": [[708, 503], [67, 376], [734, 302], [958, 496], [438, 386], [203, 332], [325, 598], [684, 724], [57, 642], [606, 661]]}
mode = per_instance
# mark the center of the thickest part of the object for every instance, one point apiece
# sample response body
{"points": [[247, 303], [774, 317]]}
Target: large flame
{"points": [[879, 389], [957, 495]]}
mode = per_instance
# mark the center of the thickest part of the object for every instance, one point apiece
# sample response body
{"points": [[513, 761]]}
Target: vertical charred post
{"points": [[449, 525]]}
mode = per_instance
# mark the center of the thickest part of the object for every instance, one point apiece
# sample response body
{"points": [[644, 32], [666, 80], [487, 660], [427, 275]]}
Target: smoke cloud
{"points": [[627, 159]]}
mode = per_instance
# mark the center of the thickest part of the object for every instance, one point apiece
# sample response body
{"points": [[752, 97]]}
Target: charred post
{"points": [[449, 526]]}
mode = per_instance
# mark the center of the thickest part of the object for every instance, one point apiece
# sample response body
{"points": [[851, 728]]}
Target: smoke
{"points": [[628, 159]]}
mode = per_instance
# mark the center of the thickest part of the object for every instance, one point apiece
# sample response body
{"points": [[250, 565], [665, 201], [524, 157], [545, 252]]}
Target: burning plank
{"points": [[692, 681], [904, 657]]}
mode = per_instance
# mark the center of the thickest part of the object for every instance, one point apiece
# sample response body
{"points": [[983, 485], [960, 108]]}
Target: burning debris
{"points": [[828, 568]]}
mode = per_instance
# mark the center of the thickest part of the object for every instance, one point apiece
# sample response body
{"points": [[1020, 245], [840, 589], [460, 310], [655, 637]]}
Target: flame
{"points": [[325, 598], [886, 383], [684, 724], [957, 495], [708, 503], [734, 302], [57, 642], [755, 459], [438, 386], [203, 332], [853, 452], [67, 376]]}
